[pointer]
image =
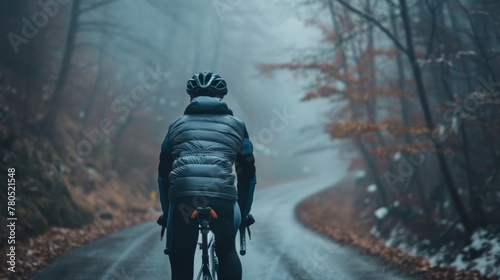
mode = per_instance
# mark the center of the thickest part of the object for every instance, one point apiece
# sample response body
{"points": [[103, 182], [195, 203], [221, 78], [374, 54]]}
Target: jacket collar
{"points": [[206, 105]]}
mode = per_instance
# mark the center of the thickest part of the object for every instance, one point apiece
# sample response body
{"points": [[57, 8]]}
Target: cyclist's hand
{"points": [[162, 220], [248, 221]]}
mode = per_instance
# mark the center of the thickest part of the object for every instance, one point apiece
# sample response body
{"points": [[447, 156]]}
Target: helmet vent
{"points": [[206, 83]]}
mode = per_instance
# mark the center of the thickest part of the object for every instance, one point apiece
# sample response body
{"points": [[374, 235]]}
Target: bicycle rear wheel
{"points": [[214, 262]]}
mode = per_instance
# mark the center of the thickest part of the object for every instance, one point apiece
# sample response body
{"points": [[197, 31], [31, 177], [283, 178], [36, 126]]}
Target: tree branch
{"points": [[95, 6], [376, 23], [430, 46], [478, 42]]}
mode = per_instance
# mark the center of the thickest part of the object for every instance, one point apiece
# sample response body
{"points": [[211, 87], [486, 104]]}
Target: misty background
{"points": [[402, 95], [70, 69]]}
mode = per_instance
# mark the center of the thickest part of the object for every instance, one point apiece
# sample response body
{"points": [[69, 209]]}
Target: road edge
{"points": [[341, 232], [39, 252]]}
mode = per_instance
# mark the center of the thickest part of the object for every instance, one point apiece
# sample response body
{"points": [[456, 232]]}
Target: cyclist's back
{"points": [[196, 171], [205, 143]]}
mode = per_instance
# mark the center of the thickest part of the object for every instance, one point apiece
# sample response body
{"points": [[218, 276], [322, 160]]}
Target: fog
{"points": [[402, 94], [189, 37]]}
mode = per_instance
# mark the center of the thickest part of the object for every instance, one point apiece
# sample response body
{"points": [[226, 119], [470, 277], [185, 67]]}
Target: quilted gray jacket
{"points": [[204, 144]]}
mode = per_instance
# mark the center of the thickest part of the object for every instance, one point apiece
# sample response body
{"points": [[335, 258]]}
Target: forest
{"points": [[419, 91], [405, 93], [88, 95]]}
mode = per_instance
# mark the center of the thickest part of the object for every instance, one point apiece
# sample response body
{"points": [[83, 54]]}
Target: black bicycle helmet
{"points": [[206, 83]]}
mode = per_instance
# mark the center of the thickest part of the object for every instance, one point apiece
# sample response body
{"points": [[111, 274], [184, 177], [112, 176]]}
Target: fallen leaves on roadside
{"points": [[335, 206], [35, 254]]}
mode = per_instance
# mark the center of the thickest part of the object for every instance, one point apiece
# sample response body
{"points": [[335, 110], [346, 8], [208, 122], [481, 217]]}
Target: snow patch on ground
{"points": [[486, 246], [359, 174], [381, 212], [374, 231], [397, 156], [483, 254], [371, 188]]}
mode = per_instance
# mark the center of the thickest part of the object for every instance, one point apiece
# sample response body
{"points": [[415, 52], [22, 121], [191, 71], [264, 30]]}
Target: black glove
{"points": [[162, 220], [248, 221]]}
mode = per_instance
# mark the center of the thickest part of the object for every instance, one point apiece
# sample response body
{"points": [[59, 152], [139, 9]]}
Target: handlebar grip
{"points": [[243, 243]]}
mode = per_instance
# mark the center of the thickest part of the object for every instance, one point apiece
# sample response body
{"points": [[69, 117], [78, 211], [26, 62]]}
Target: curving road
{"points": [[281, 248]]}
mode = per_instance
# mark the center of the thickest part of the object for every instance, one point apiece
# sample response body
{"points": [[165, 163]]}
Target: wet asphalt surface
{"points": [[281, 248]]}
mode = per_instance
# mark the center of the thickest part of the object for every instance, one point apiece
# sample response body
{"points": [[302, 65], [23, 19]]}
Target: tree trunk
{"points": [[97, 83], [370, 163], [49, 122], [458, 43], [117, 141], [401, 79], [479, 218], [430, 124], [374, 171]]}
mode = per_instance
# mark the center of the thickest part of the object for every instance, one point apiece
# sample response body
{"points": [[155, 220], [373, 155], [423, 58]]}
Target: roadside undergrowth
{"points": [[336, 205], [38, 252]]}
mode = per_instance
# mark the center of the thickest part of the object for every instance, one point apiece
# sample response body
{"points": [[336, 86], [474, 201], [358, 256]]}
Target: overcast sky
{"points": [[253, 32]]}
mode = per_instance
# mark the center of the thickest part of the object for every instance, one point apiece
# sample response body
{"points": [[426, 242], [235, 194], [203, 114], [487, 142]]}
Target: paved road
{"points": [[281, 248]]}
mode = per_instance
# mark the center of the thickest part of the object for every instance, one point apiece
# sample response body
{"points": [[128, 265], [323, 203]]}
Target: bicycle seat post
{"points": [[204, 216]]}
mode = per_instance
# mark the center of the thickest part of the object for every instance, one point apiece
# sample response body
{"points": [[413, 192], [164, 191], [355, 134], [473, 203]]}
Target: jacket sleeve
{"points": [[245, 172], [164, 168]]}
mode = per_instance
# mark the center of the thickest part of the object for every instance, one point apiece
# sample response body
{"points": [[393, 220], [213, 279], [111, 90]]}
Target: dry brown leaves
{"points": [[36, 253], [353, 127], [335, 205]]}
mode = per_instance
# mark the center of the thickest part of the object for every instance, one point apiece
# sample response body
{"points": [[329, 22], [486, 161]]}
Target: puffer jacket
{"points": [[204, 144]]}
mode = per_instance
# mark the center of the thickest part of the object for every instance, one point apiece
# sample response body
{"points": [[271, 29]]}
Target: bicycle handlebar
{"points": [[246, 226], [243, 242], [243, 228]]}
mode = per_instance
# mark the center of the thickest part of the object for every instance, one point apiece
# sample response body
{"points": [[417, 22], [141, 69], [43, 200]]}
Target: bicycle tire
{"points": [[213, 261], [214, 269]]}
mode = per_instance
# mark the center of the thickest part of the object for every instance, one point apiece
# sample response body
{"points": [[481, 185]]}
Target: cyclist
{"points": [[195, 170]]}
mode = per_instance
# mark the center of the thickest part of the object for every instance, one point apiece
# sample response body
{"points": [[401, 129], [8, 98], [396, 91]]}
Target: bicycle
{"points": [[209, 266], [209, 261], [245, 226]]}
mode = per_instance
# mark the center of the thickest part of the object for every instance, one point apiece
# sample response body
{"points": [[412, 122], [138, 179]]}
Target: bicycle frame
{"points": [[204, 216]]}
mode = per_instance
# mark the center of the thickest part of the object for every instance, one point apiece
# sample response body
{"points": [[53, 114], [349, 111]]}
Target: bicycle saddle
{"points": [[204, 212]]}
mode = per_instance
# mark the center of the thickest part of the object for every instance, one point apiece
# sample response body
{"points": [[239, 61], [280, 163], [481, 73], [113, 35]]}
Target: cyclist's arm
{"points": [[164, 168], [245, 171]]}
